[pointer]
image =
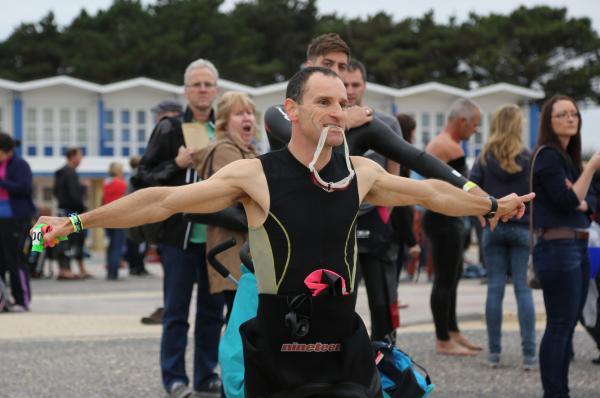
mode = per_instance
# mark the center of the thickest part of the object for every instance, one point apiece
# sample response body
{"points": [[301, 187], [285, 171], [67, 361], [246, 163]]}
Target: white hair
{"points": [[463, 107], [199, 64]]}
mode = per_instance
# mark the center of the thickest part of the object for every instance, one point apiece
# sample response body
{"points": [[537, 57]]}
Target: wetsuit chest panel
{"points": [[307, 228]]}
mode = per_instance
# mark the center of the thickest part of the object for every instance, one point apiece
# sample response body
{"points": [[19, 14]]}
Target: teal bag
{"points": [[231, 355], [399, 378]]}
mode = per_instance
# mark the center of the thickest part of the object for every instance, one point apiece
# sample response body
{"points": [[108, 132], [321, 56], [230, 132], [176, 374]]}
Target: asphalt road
{"points": [[84, 339]]}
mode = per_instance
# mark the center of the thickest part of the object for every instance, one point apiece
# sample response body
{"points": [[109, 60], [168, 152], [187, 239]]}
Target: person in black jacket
{"points": [[561, 215], [168, 162], [376, 249], [70, 194], [16, 211]]}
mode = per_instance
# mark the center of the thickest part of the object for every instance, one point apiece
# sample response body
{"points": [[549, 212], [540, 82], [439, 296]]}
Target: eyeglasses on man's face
{"points": [[201, 85], [564, 115]]}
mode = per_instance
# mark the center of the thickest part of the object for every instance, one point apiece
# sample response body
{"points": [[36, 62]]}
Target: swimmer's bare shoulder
{"points": [[247, 176]]}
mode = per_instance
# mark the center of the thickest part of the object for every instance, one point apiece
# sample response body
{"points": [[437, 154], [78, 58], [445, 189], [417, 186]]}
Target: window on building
{"points": [[109, 135], [48, 124], [425, 137], [125, 151], [65, 126], [109, 116], [425, 119], [125, 135], [141, 117], [31, 126], [125, 116], [81, 126], [141, 137], [439, 122]]}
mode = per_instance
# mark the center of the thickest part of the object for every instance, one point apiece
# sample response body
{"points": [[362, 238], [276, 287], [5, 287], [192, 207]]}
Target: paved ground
{"points": [[85, 339]]}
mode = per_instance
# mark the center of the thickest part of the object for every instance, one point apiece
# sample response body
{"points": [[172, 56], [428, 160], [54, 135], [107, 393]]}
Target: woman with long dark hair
{"points": [[561, 215]]}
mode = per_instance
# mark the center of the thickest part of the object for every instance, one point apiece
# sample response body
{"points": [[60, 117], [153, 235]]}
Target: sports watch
{"points": [[493, 209]]}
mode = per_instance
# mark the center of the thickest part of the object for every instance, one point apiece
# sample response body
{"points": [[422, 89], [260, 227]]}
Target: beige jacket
{"points": [[207, 162]]}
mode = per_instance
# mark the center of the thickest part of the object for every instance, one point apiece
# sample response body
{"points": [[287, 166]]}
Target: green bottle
{"points": [[37, 238]]}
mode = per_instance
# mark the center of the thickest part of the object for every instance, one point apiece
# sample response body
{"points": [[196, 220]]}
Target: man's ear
{"points": [[291, 108]]}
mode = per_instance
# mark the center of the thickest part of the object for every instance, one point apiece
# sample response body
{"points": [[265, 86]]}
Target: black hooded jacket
{"points": [[498, 182], [158, 168]]}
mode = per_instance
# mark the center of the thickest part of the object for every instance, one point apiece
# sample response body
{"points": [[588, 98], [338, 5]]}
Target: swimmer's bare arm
{"points": [[240, 181], [380, 188]]}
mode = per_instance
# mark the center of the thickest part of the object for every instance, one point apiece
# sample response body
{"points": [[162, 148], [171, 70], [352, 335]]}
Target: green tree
{"points": [[533, 47], [32, 51]]}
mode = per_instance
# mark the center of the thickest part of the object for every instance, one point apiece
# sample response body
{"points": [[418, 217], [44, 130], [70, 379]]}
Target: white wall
{"points": [[60, 116], [6, 110]]}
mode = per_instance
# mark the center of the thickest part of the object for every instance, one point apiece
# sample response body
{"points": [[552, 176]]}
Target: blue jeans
{"points": [[114, 251], [182, 269], [507, 248], [563, 269]]}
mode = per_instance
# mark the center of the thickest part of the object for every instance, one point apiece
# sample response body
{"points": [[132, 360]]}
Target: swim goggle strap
{"points": [[331, 186]]}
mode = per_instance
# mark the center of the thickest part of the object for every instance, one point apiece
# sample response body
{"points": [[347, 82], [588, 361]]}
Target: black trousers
{"points": [[13, 235], [446, 235], [379, 274]]}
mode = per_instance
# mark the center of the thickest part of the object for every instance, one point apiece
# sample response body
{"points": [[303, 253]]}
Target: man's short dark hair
{"points": [[325, 44], [168, 106], [72, 151], [7, 143], [296, 85], [355, 65]]}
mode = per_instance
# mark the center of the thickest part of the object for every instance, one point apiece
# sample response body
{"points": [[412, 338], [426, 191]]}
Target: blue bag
{"points": [[399, 378], [231, 355]]}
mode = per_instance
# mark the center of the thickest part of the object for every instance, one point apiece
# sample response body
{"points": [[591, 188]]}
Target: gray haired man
{"points": [[167, 162]]}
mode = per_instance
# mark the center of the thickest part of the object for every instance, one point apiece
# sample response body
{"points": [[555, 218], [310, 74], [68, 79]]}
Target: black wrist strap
{"points": [[493, 209]]}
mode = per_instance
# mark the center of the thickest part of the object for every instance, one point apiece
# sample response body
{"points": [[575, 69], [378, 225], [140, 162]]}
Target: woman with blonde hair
{"points": [[503, 167], [235, 130]]}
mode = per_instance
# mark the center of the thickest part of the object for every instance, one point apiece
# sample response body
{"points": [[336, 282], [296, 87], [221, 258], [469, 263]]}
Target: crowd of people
{"points": [[303, 215]]}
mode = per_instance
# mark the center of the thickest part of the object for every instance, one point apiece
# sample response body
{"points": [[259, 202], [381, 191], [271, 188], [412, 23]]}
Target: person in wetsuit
{"points": [[377, 250], [304, 200], [367, 130], [447, 234]]}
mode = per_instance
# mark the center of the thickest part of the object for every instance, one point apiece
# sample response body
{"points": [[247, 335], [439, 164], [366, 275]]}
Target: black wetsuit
{"points": [[447, 236], [375, 135], [307, 229]]}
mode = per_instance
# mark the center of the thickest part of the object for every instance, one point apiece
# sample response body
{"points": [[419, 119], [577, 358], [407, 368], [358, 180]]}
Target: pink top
{"points": [[3, 192]]}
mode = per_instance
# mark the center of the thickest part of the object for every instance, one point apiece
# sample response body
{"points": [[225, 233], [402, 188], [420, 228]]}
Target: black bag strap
{"points": [[531, 240]]}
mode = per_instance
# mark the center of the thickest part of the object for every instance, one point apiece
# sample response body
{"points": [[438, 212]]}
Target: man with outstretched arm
{"points": [[366, 129], [301, 203]]}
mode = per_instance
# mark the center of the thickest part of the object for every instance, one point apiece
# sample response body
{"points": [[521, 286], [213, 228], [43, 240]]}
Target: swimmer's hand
{"points": [[59, 227], [359, 115], [511, 206]]}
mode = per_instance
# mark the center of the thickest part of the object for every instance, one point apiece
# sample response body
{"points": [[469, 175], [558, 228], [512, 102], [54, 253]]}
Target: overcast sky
{"points": [[65, 10], [15, 12]]}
